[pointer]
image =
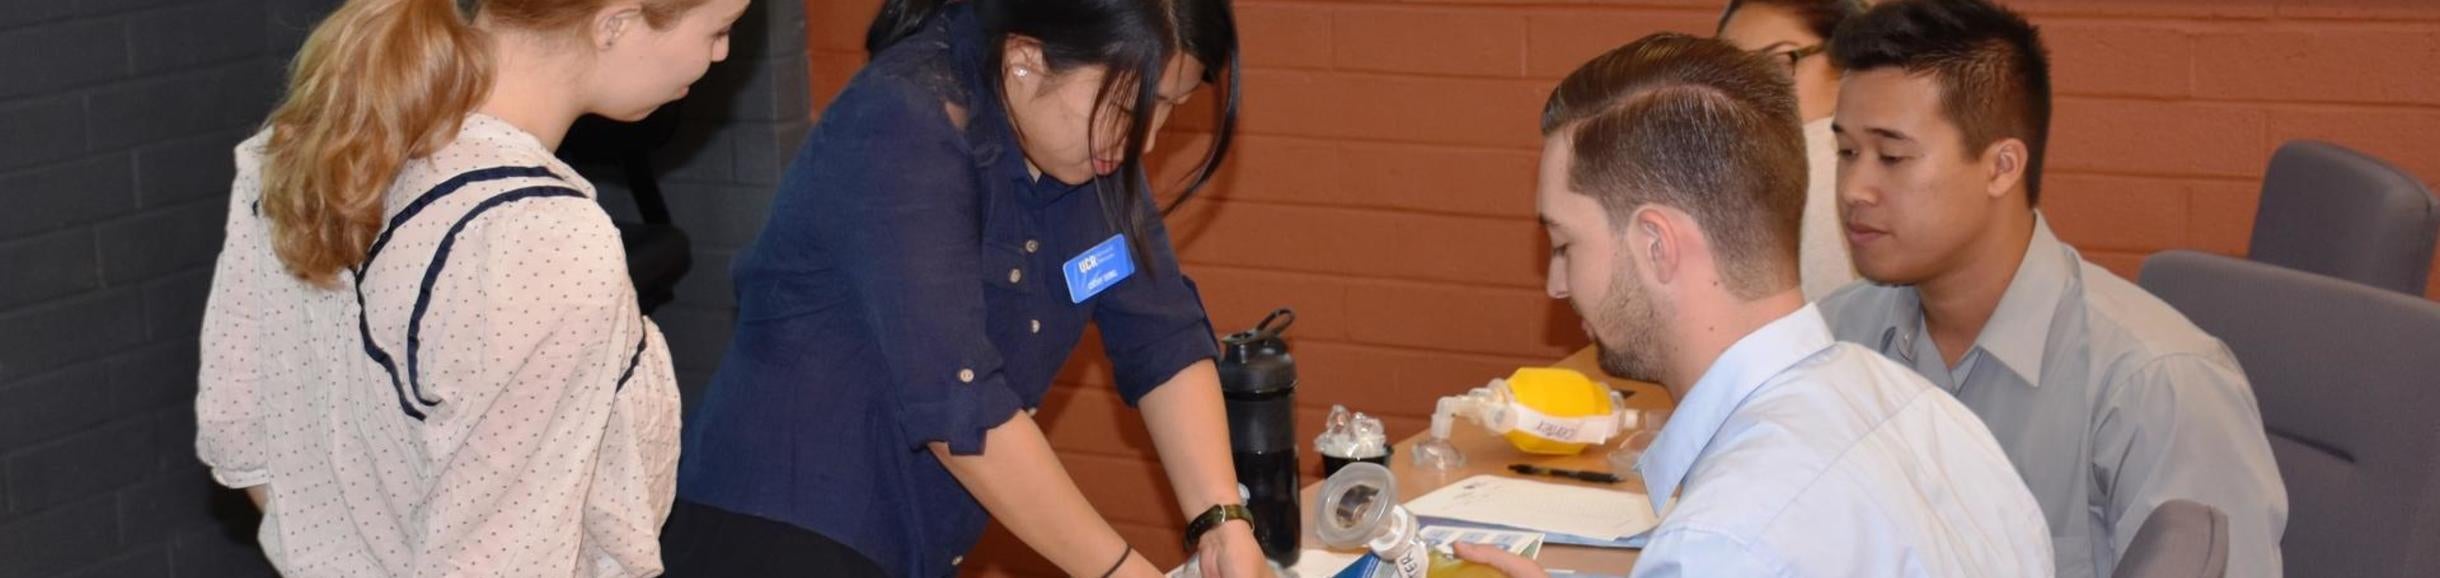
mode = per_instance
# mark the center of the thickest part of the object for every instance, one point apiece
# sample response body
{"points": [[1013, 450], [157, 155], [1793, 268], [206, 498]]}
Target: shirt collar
{"points": [[1735, 376], [478, 125], [2018, 333]]}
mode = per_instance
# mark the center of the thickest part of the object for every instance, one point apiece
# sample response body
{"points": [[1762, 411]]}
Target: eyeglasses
{"points": [[1787, 59]]}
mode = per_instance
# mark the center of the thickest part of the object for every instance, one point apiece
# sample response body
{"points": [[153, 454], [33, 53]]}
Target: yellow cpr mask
{"points": [[1541, 410]]}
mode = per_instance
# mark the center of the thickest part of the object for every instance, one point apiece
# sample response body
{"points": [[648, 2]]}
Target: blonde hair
{"points": [[377, 84]]}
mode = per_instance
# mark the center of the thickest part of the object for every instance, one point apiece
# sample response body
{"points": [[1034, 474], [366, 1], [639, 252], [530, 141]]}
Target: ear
{"points": [[1022, 62], [1655, 240], [616, 21], [2005, 162]]}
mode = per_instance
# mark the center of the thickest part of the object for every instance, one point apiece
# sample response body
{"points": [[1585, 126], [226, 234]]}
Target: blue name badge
{"points": [[1098, 268]]}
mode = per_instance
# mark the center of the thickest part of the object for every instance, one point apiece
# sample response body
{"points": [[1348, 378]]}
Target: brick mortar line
{"points": [[1536, 148], [1410, 283], [2262, 104], [2223, 23], [56, 164], [1367, 74], [1441, 147], [131, 148], [1394, 210], [2179, 177], [12, 454]]}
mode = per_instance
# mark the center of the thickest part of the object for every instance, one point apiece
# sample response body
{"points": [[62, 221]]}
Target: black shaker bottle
{"points": [[1258, 379]]}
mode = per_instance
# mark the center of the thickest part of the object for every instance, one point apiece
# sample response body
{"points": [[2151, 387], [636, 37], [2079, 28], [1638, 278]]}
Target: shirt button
{"points": [[1016, 275], [1037, 326], [965, 376], [1032, 245], [957, 561]]}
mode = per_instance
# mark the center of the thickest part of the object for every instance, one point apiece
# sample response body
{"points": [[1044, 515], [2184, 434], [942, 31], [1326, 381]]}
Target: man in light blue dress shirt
{"points": [[2107, 400], [1672, 184]]}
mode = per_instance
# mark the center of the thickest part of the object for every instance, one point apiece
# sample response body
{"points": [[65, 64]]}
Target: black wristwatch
{"points": [[1213, 518]]}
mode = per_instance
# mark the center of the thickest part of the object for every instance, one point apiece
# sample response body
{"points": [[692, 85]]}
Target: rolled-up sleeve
{"points": [[2187, 427], [636, 476], [905, 234], [1153, 324]]}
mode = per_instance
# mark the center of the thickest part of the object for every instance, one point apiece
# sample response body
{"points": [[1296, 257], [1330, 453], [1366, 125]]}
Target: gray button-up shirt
{"points": [[2108, 401]]}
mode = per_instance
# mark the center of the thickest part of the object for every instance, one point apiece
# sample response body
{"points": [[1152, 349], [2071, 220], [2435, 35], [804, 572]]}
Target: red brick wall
{"points": [[1384, 178]]}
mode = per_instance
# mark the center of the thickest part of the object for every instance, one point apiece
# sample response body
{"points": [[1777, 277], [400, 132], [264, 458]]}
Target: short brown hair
{"points": [[1993, 73], [1698, 125]]}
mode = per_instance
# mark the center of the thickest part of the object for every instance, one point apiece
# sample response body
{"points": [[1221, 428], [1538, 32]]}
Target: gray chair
{"points": [[2330, 210], [2348, 378], [2182, 539]]}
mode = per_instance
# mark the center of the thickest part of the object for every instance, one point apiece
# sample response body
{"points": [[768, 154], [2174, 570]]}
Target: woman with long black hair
{"points": [[971, 201]]}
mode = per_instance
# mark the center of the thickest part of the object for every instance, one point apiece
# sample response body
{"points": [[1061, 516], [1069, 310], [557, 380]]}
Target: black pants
{"points": [[705, 542]]}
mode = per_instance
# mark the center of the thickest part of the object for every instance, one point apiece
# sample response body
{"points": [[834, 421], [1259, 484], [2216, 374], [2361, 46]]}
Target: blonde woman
{"points": [[422, 355]]}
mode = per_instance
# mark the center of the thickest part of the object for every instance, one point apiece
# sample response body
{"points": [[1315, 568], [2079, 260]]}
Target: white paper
{"points": [[1540, 506], [1313, 563]]}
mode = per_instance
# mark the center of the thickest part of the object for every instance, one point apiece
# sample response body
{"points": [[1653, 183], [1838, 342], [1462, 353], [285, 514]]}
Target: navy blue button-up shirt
{"points": [[907, 290]]}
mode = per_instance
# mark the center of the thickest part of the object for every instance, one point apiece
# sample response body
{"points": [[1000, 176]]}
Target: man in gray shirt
{"points": [[2108, 401]]}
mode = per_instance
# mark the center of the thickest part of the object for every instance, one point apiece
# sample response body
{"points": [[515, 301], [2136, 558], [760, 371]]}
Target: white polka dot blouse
{"points": [[481, 397]]}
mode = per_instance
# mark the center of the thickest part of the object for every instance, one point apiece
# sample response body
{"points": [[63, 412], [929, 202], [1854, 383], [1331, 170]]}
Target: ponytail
{"points": [[898, 19], [378, 83]]}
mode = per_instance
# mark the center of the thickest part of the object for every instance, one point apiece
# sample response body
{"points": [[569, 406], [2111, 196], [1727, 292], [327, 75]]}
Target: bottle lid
{"points": [[1355, 503], [1256, 361]]}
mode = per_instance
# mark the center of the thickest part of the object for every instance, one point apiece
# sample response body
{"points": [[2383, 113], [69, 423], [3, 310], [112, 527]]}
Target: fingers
{"points": [[1510, 564]]}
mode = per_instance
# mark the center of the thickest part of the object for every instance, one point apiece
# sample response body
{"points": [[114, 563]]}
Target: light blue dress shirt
{"points": [[2108, 401], [1795, 455]]}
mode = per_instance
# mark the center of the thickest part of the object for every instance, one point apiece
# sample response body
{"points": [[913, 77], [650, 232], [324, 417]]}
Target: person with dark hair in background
{"points": [[422, 354], [1672, 186], [2108, 401], [970, 202], [1795, 36]]}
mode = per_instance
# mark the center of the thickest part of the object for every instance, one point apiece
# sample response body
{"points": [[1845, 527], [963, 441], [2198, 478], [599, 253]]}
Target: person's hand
{"points": [[1498, 559], [1230, 551]]}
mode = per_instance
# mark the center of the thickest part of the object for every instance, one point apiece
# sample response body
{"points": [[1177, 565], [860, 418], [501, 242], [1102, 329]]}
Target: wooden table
{"points": [[1488, 454]]}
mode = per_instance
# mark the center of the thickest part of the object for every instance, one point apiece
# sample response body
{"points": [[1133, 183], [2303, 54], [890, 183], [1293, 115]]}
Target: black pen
{"points": [[1595, 477]]}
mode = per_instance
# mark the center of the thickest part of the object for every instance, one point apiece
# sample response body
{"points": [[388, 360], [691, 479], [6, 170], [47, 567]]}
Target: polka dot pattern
{"points": [[550, 448]]}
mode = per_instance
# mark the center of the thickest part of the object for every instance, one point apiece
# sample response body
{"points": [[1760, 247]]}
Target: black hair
{"points": [[1134, 40], [1993, 73], [1695, 124], [1821, 17]]}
